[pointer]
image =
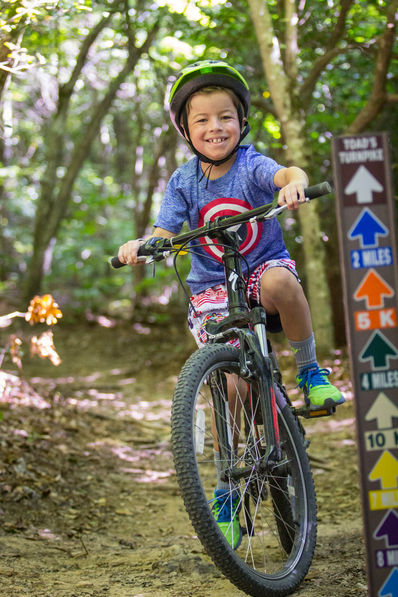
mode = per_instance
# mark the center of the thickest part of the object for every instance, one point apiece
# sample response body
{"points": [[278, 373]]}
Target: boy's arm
{"points": [[292, 182], [128, 252]]}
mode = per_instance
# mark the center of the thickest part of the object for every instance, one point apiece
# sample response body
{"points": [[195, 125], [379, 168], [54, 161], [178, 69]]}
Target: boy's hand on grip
{"points": [[292, 195], [128, 252]]}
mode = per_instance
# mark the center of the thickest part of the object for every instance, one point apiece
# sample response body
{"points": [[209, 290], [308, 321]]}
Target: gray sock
{"points": [[304, 352]]}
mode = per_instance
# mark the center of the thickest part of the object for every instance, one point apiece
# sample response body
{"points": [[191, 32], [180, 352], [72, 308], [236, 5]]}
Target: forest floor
{"points": [[89, 503]]}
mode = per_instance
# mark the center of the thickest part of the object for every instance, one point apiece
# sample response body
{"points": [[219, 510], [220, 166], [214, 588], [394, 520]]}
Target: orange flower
{"points": [[44, 347], [15, 350], [43, 309]]}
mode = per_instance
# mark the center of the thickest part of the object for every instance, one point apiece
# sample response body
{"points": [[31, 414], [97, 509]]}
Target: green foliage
{"points": [[110, 194]]}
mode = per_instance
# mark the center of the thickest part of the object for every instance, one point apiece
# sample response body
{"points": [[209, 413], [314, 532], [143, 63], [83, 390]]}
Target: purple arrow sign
{"points": [[388, 528]]}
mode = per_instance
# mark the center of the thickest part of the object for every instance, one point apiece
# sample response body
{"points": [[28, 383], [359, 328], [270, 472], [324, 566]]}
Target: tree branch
{"points": [[264, 106], [378, 96], [142, 218], [66, 90], [331, 51], [291, 52], [338, 32], [81, 149], [55, 135]]}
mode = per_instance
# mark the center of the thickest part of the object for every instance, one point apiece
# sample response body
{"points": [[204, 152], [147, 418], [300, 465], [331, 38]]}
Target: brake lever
{"points": [[147, 259], [275, 211]]}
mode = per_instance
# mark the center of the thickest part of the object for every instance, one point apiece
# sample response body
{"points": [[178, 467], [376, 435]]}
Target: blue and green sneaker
{"points": [[226, 512], [318, 391]]}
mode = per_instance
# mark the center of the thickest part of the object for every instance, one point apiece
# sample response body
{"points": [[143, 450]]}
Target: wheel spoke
{"points": [[276, 508]]}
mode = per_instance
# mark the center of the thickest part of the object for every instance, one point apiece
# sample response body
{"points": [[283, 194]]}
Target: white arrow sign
{"points": [[383, 410], [364, 184]]}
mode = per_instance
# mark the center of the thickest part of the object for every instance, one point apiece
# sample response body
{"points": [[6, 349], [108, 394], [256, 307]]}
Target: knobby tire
{"points": [[277, 510]]}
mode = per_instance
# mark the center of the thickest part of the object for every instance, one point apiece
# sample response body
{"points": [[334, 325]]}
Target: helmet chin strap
{"points": [[204, 158]]}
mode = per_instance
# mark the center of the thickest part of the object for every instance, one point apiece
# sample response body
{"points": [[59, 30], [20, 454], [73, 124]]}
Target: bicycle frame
{"points": [[232, 421], [250, 327]]}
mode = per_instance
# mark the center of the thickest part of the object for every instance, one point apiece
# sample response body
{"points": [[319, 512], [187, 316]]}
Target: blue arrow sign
{"points": [[388, 528], [390, 587], [367, 228]]}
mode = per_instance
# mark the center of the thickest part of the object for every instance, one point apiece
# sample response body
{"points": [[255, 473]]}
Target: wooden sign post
{"points": [[368, 257]]}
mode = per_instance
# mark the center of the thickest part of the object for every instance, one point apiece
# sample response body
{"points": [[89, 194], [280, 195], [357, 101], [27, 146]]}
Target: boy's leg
{"points": [[226, 497], [213, 304], [280, 292]]}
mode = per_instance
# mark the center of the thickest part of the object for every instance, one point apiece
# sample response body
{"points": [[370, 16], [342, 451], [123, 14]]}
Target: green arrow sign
{"points": [[380, 350]]}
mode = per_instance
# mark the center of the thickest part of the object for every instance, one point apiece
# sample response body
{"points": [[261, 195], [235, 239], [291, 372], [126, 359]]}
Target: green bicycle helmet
{"points": [[207, 73]]}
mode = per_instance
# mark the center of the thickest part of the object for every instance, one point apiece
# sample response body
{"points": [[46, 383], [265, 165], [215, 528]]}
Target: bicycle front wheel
{"points": [[215, 412]]}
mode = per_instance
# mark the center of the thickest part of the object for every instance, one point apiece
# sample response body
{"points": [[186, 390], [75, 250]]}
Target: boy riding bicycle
{"points": [[209, 105]]}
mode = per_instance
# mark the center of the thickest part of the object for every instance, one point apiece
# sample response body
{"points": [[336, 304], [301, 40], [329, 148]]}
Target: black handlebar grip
{"points": [[142, 254], [323, 188], [115, 263]]}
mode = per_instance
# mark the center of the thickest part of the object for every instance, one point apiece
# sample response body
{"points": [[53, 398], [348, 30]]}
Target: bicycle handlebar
{"points": [[156, 246]]}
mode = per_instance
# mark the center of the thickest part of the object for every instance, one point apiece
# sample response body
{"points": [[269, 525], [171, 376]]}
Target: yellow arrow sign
{"points": [[385, 469]]}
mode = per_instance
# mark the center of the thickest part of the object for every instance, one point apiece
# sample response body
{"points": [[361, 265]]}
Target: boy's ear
{"points": [[244, 123]]}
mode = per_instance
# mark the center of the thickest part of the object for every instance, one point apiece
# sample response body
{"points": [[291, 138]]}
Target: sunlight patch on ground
{"points": [[347, 442], [121, 451], [48, 534], [17, 392], [87, 403], [54, 381], [149, 476], [127, 454], [128, 381], [140, 329], [328, 425], [20, 432], [150, 411]]}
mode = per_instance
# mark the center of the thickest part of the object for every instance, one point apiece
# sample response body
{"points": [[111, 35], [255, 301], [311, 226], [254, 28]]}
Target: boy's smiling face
{"points": [[213, 124]]}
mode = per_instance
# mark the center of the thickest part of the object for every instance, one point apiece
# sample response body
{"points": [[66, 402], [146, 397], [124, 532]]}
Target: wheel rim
{"points": [[271, 546]]}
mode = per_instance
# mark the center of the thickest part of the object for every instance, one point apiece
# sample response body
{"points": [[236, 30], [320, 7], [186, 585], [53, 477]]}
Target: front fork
{"points": [[254, 348], [268, 404]]}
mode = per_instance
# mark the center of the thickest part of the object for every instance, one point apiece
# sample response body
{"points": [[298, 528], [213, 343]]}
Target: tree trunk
{"points": [[283, 88], [54, 198], [142, 217], [291, 99]]}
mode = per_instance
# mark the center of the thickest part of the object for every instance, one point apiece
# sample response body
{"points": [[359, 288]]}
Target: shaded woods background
{"points": [[89, 500], [86, 148]]}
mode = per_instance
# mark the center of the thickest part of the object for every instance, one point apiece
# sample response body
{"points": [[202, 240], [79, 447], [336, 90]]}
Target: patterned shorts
{"points": [[212, 304]]}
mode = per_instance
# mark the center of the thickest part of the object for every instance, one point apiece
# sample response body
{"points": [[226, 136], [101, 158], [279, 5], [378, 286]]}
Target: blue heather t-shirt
{"points": [[248, 184]]}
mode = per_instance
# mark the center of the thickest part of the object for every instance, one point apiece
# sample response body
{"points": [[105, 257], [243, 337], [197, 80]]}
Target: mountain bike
{"points": [[230, 398]]}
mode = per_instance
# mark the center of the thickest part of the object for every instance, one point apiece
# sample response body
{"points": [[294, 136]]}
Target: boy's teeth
{"points": [[215, 140]]}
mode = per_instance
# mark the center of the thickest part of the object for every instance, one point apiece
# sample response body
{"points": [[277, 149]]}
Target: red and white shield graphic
{"points": [[250, 232]]}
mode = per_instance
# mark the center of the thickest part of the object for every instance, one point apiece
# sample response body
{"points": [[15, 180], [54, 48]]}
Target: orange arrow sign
{"points": [[373, 288]]}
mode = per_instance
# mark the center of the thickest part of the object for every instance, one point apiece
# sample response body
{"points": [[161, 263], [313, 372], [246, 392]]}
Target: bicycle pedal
{"points": [[307, 413]]}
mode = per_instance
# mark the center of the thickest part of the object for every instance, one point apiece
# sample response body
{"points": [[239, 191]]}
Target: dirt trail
{"points": [[89, 499]]}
